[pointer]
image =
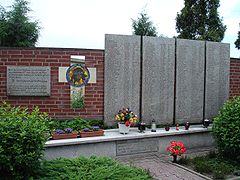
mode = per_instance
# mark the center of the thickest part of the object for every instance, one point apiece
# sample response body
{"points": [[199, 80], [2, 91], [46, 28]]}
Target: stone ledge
{"points": [[114, 135]]}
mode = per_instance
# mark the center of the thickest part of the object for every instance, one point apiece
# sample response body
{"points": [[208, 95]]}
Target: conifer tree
{"points": [[237, 42], [199, 19], [16, 29], [143, 26]]}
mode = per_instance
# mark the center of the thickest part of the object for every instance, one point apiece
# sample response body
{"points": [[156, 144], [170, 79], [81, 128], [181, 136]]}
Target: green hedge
{"points": [[226, 129], [22, 139]]}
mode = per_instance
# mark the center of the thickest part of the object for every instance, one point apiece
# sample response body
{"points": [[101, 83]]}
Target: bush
{"points": [[23, 136], [94, 168], [226, 129]]}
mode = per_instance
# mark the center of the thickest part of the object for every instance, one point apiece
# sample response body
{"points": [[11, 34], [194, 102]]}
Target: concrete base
{"points": [[114, 144]]}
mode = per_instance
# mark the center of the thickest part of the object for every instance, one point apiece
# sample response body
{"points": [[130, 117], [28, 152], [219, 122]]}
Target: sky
{"points": [[84, 23]]}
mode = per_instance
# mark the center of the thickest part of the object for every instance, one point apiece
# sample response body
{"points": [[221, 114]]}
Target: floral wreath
{"points": [[77, 75]]}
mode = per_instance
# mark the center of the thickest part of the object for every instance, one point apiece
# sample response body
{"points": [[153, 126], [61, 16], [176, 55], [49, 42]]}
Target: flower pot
{"points": [[141, 127], [99, 132], [187, 125], [167, 128], [64, 136], [174, 158], [206, 123], [123, 129]]}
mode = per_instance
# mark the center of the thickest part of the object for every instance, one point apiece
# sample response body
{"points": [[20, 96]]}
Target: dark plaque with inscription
{"points": [[28, 81]]}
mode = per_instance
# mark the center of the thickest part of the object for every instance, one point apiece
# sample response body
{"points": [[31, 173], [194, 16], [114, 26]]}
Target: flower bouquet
{"points": [[176, 149], [125, 119]]}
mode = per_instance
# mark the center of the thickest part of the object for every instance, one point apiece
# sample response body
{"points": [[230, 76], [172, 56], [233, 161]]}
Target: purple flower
{"points": [[95, 128], [68, 130], [59, 131], [86, 129]]}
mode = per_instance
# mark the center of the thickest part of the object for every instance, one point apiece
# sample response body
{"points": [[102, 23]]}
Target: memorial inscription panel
{"points": [[28, 81], [136, 146]]}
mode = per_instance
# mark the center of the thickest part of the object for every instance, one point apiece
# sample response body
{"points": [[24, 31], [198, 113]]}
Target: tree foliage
{"points": [[16, 29], [237, 42], [199, 19], [143, 26]]}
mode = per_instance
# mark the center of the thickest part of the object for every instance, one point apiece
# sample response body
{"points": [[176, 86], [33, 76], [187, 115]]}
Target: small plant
{"points": [[126, 116], [184, 160], [66, 130], [59, 131]]}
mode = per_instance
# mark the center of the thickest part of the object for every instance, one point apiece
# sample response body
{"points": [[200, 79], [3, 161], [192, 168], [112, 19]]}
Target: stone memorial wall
{"points": [[182, 80]]}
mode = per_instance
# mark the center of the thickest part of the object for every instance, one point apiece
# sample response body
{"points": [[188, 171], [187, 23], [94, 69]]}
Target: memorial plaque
{"points": [[136, 146], [28, 81]]}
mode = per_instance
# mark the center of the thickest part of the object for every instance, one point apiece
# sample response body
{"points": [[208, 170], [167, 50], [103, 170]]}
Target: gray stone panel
{"points": [[28, 81], [189, 81], [217, 77], [158, 79], [137, 146], [121, 75], [73, 151]]}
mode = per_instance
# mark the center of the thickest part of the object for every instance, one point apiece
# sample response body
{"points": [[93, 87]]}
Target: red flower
{"points": [[127, 123], [176, 148]]}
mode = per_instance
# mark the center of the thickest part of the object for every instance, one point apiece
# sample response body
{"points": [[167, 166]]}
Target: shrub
{"points": [[22, 135], [226, 129], [94, 168]]}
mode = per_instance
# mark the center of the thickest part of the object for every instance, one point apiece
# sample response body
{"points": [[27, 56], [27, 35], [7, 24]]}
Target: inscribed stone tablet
{"points": [[136, 146], [217, 77], [121, 75], [158, 79], [28, 81], [189, 81]]}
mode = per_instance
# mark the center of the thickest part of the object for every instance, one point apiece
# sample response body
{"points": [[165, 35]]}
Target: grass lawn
{"points": [[212, 166], [93, 168]]}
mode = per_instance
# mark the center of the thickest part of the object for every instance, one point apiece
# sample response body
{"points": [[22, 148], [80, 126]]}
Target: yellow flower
{"points": [[131, 120], [135, 119]]}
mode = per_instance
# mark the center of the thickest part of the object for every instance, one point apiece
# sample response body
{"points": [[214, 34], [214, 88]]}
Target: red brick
{"points": [[14, 52]]}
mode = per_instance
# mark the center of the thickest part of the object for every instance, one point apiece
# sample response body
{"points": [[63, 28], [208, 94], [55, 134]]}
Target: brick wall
{"points": [[58, 104], [234, 89]]}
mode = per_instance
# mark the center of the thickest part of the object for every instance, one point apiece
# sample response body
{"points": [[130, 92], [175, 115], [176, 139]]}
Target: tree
{"points": [[16, 29], [143, 26], [237, 42], [200, 20]]}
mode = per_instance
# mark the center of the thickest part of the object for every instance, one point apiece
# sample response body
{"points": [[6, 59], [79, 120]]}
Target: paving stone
{"points": [[159, 166]]}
